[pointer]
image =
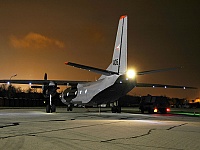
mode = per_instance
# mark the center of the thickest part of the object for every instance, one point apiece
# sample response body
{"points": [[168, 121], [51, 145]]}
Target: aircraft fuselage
{"points": [[101, 91]]}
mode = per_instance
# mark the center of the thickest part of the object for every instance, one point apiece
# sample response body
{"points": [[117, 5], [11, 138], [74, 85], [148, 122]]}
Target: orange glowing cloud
{"points": [[35, 40]]}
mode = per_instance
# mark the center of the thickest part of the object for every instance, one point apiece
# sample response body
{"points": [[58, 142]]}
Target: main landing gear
{"points": [[70, 107], [50, 108], [116, 108]]}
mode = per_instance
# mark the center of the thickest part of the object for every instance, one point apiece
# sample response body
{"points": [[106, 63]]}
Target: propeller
{"points": [[48, 87]]}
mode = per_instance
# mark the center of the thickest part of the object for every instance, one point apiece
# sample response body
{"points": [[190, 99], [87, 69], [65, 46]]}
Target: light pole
{"points": [[10, 88], [13, 76]]}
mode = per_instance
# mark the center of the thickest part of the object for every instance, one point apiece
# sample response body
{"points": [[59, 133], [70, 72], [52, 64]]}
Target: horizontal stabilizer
{"points": [[157, 71], [163, 86], [96, 70]]}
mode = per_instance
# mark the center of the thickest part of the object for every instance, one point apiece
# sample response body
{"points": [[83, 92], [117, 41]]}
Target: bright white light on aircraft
{"points": [[30, 84], [8, 83], [130, 74]]}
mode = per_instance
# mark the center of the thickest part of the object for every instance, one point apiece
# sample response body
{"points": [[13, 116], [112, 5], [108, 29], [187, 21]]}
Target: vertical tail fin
{"points": [[119, 59]]}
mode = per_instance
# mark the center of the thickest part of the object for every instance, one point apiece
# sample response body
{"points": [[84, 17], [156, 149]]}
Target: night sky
{"points": [[39, 36]]}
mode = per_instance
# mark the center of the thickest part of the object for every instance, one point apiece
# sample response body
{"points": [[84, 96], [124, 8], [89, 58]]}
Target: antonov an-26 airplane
{"points": [[114, 82]]}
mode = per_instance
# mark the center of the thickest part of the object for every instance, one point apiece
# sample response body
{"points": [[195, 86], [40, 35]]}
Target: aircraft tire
{"points": [[119, 110], [116, 109], [70, 108], [53, 108], [48, 109], [113, 109]]}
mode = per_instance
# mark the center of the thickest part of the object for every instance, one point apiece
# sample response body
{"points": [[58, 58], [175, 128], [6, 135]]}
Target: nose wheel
{"points": [[50, 108]]}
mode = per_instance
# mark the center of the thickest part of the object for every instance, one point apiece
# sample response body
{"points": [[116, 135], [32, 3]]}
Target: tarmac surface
{"points": [[33, 129]]}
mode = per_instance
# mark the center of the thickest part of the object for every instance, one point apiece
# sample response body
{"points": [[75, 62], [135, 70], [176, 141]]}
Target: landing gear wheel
{"points": [[119, 109], [113, 109], [70, 108], [48, 109], [116, 109], [67, 108], [53, 108]]}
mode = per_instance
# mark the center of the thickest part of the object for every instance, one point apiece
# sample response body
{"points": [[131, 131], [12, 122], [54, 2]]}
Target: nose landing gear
{"points": [[50, 108]]}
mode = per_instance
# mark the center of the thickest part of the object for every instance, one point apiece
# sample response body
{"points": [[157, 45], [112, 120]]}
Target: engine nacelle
{"points": [[69, 94]]}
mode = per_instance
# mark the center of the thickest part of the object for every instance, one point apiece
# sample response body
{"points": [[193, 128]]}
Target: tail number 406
{"points": [[115, 62]]}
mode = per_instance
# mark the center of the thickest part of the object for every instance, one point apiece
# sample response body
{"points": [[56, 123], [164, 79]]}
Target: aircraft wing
{"points": [[163, 86], [41, 82], [96, 70]]}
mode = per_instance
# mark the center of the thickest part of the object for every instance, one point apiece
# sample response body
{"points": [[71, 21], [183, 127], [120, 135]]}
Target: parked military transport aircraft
{"points": [[114, 82]]}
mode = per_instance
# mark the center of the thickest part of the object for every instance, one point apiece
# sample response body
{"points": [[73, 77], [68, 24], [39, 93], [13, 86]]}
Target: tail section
{"points": [[119, 60]]}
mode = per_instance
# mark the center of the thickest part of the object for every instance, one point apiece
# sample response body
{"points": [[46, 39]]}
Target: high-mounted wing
{"points": [[42, 82], [162, 86]]}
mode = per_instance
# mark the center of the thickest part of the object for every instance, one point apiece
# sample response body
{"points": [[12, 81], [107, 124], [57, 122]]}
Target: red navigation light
{"points": [[168, 109], [123, 16]]}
